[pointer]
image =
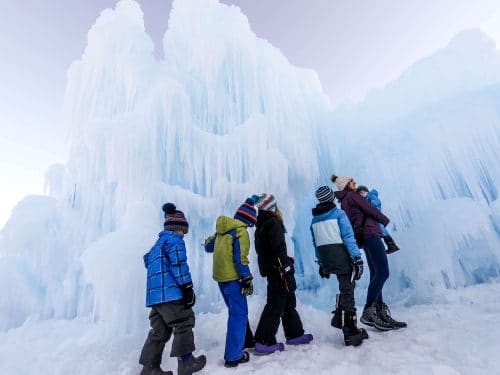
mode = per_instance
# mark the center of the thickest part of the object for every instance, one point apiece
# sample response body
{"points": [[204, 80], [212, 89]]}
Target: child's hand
{"points": [[323, 274], [247, 285], [358, 267]]}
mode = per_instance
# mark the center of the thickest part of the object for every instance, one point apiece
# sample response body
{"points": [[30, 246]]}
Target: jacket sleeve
{"points": [[178, 263], [241, 247], [277, 241], [314, 241], [348, 235], [369, 209]]}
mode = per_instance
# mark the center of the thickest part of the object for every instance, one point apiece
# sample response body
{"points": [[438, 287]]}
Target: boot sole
{"points": [[375, 325]]}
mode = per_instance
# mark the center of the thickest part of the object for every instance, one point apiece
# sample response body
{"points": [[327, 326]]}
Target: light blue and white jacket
{"points": [[330, 226]]}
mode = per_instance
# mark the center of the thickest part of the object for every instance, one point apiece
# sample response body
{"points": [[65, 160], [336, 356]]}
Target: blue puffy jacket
{"points": [[373, 198], [167, 267]]}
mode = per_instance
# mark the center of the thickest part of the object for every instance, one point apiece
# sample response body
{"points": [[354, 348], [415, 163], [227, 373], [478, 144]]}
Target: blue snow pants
{"points": [[237, 320], [379, 268]]}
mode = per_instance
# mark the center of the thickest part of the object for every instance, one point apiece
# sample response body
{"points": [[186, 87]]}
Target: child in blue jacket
{"points": [[337, 253], [171, 298], [372, 197]]}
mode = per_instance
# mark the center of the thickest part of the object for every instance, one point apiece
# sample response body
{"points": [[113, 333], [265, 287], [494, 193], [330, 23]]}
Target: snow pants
{"points": [[165, 319], [280, 306], [237, 322], [379, 268], [346, 288]]}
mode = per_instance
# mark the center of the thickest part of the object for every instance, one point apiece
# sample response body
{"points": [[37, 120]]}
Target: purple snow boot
{"points": [[262, 349], [304, 339]]}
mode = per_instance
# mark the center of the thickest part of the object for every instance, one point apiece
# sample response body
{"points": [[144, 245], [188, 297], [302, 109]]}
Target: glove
{"points": [[323, 274], [358, 267], [188, 296], [246, 285]]}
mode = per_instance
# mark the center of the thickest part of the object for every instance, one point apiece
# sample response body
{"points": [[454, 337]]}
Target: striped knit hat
{"points": [[174, 219], [247, 212], [266, 202], [324, 194], [341, 182]]}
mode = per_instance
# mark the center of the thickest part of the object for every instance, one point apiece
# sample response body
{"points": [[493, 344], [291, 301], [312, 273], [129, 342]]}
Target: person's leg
{"points": [[155, 343], [292, 325], [271, 315], [237, 320], [181, 320], [379, 269], [346, 287], [249, 339]]}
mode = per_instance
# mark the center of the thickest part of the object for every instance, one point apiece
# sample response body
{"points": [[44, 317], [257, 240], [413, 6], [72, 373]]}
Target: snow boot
{"points": [[244, 359], [262, 349], [391, 245], [304, 339], [150, 370], [384, 312], [337, 314], [371, 318], [352, 334], [191, 365]]}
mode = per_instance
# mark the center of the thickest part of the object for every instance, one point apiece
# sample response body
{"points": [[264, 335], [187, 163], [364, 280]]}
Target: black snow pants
{"points": [[165, 319], [346, 288], [280, 305]]}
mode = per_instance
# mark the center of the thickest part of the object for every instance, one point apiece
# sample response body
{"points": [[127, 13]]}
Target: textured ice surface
{"points": [[224, 116]]}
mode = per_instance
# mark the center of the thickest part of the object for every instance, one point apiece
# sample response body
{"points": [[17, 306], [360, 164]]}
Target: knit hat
{"points": [[266, 202], [341, 182], [174, 219], [324, 194], [247, 212], [362, 188]]}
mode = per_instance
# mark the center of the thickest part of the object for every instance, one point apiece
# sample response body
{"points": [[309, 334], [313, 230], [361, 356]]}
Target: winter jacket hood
{"points": [[225, 224], [322, 208]]}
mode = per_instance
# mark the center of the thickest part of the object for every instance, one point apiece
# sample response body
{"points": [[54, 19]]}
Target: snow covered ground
{"points": [[459, 335]]}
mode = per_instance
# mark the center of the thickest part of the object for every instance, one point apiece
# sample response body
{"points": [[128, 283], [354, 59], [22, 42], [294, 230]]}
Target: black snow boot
{"points": [[352, 334], [192, 365], [391, 245], [384, 312], [150, 370], [337, 314], [244, 359], [371, 318]]}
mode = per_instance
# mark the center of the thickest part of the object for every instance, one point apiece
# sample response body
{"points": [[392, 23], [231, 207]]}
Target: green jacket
{"points": [[231, 248]]}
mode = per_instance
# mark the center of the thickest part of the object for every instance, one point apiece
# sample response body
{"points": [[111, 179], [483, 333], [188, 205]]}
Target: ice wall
{"points": [[224, 116]]}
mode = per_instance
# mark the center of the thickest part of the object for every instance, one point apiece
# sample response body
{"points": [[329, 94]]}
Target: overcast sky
{"points": [[353, 45]]}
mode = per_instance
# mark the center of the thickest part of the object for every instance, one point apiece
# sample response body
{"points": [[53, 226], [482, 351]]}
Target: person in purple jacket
{"points": [[365, 219]]}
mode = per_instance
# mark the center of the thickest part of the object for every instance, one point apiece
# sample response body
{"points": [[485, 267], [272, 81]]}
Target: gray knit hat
{"points": [[324, 194]]}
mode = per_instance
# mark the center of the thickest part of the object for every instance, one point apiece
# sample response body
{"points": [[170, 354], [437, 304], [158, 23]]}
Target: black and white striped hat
{"points": [[324, 194]]}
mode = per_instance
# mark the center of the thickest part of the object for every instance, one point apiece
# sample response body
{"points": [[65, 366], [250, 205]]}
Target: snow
{"points": [[458, 335], [225, 116]]}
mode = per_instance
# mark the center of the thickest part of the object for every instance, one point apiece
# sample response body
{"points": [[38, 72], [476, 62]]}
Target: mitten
{"points": [[358, 267], [188, 296], [323, 274]]}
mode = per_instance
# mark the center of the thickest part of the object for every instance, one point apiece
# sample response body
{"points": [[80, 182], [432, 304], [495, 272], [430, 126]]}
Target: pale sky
{"points": [[353, 45]]}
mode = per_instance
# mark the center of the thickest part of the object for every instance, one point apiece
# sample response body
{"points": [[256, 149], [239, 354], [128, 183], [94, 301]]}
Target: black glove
{"points": [[323, 274], [188, 296], [288, 276], [246, 285], [358, 267]]}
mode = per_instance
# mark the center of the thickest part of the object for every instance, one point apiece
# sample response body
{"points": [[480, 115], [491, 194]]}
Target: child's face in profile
{"points": [[363, 193]]}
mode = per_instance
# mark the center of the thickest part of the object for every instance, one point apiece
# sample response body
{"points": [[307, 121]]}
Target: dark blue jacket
{"points": [[167, 267]]}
